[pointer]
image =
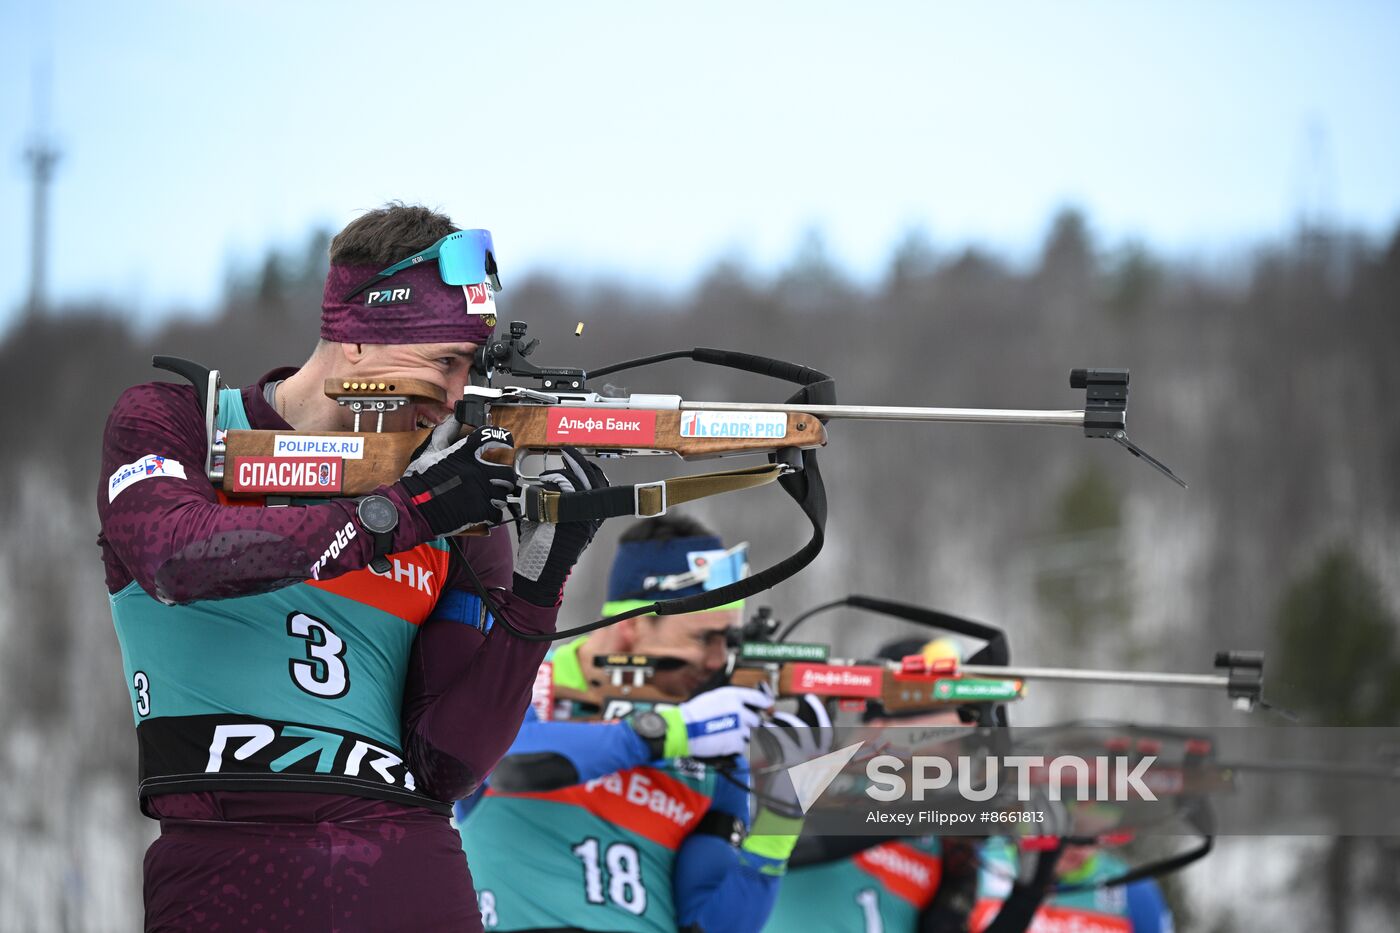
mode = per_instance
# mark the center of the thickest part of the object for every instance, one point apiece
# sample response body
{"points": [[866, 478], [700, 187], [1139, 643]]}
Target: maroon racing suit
{"points": [[298, 855]]}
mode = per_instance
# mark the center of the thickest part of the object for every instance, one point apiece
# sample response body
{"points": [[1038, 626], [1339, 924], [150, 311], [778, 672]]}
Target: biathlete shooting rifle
{"points": [[1184, 785], [762, 653], [1187, 781], [560, 410]]}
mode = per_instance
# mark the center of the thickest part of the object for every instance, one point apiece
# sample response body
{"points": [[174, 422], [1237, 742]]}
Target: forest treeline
{"points": [[1270, 388]]}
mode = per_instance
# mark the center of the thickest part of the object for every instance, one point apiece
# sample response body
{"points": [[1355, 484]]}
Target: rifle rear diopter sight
{"points": [[508, 355], [762, 626]]}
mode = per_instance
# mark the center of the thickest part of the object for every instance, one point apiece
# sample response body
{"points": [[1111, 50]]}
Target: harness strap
{"points": [[643, 500]]}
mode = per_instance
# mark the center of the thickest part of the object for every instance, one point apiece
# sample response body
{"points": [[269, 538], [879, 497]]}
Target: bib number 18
{"points": [[624, 875]]}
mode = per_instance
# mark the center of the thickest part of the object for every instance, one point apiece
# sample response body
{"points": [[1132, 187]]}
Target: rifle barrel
{"points": [[1071, 418], [1073, 675]]}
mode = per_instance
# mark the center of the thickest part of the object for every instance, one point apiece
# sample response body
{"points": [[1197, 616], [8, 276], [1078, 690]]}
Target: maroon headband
{"points": [[412, 306]]}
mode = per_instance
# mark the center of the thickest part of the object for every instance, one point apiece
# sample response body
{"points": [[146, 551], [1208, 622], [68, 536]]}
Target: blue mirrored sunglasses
{"points": [[709, 569], [723, 569], [466, 257]]}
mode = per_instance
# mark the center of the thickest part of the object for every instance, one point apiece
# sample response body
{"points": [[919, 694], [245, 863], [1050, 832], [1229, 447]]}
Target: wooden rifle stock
{"points": [[247, 461], [530, 425], [385, 456], [382, 456]]}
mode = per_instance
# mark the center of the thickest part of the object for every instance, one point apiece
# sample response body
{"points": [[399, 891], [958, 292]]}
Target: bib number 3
{"points": [[322, 672], [142, 685]]}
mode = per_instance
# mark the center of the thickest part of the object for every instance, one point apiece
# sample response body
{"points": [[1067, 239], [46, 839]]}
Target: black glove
{"points": [[549, 551], [952, 904], [793, 739], [457, 486]]}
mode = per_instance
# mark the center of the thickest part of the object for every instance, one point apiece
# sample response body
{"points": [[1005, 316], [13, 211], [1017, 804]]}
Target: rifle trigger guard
{"points": [[637, 499], [789, 459]]}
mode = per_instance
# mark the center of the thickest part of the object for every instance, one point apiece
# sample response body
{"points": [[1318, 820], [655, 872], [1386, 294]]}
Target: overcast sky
{"points": [[649, 139]]}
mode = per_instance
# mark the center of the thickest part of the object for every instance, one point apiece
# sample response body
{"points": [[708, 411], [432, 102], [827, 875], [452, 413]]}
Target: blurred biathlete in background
{"points": [[1136, 907], [842, 884], [949, 884], [617, 826], [304, 722]]}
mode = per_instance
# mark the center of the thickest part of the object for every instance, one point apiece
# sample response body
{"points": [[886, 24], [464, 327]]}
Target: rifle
{"points": [[1188, 785], [560, 410], [755, 657], [761, 654]]}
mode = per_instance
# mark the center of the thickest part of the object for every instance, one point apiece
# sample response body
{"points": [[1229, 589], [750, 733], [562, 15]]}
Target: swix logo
{"points": [[637, 788], [722, 724], [837, 680], [498, 434], [598, 427], [892, 860], [389, 296]]}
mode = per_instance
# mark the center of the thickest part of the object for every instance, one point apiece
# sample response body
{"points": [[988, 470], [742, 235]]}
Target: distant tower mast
{"points": [[42, 156], [1315, 180]]}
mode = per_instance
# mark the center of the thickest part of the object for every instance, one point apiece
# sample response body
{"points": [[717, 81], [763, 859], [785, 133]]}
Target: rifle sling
{"points": [[643, 500]]}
